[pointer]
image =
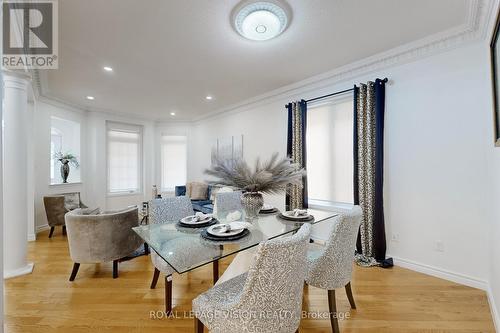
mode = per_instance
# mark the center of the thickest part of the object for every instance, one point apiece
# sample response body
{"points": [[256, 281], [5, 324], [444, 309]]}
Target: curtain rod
{"points": [[337, 93]]}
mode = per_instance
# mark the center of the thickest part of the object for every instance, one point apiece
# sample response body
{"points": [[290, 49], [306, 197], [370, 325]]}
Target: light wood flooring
{"points": [[390, 300]]}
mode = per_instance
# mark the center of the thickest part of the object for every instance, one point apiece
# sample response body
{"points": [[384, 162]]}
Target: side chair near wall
{"points": [[331, 266], [56, 206], [101, 238]]}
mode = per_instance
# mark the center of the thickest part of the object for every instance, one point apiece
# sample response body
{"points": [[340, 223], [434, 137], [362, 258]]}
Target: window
{"points": [[330, 150], [65, 139], [173, 162], [124, 150]]}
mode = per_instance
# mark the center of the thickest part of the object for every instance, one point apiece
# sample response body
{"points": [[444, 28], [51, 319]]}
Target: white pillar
{"points": [[15, 168]]}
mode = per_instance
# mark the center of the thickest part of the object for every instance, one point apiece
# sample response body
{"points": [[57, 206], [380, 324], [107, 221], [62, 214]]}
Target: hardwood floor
{"points": [[394, 300]]}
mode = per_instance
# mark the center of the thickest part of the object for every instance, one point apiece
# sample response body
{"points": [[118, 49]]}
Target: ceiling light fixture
{"points": [[261, 20], [172, 113], [108, 69], [209, 98], [90, 98]]}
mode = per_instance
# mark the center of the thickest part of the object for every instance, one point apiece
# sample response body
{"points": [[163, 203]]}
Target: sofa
{"points": [[203, 203]]}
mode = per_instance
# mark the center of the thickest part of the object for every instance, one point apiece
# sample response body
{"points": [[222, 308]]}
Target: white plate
{"points": [[189, 220], [216, 230], [290, 214], [267, 207]]}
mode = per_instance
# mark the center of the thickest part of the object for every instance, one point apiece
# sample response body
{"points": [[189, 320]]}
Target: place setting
{"points": [[199, 220], [296, 215], [226, 232], [268, 209]]}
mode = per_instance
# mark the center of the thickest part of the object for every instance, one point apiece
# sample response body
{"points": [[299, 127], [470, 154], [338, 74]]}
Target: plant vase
{"points": [[64, 170], [252, 203]]}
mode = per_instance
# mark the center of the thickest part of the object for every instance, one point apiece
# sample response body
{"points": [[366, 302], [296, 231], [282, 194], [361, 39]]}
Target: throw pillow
{"points": [[198, 191], [188, 189]]}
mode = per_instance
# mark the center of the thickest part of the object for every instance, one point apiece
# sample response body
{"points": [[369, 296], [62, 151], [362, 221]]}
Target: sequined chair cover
{"points": [[167, 210], [227, 202], [266, 299], [171, 210]]}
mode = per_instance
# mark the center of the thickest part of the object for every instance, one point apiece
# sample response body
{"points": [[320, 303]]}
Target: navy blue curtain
{"points": [[379, 225]]}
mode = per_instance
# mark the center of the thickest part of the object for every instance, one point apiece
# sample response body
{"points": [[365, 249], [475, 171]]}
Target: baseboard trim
{"points": [[31, 237], [43, 227], [18, 272], [493, 309], [441, 273]]}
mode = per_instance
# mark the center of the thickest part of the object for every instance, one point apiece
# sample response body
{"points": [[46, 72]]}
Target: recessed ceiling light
{"points": [[107, 69], [90, 98], [260, 20], [209, 98], [172, 113]]}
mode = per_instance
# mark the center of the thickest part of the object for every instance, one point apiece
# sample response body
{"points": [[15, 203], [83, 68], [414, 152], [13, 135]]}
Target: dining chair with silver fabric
{"points": [[268, 298], [330, 266], [171, 210]]}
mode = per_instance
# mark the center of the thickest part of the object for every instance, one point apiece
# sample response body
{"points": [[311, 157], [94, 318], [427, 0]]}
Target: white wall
{"points": [[437, 109], [93, 185], [97, 173], [41, 153]]}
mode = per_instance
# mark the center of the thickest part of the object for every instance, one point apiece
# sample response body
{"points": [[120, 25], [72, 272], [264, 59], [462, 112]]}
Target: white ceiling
{"points": [[168, 55]]}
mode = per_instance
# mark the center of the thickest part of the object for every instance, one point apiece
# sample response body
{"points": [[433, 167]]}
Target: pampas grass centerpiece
{"points": [[270, 177]]}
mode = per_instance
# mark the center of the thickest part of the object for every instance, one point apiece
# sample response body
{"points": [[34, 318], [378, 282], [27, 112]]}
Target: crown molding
{"points": [[479, 15], [474, 29]]}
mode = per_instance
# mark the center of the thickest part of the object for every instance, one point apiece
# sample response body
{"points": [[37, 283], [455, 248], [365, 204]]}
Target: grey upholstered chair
{"points": [[171, 210], [101, 238], [56, 206], [227, 202], [271, 291], [331, 266]]}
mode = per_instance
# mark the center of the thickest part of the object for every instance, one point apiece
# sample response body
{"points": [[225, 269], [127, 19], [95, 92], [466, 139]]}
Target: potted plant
{"points": [[65, 160], [271, 177]]}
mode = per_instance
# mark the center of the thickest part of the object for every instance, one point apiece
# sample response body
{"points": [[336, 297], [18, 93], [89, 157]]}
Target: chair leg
{"points": [[76, 266], [215, 265], [198, 326], [146, 248], [168, 294], [333, 311], [115, 269], [51, 231], [64, 230], [348, 291], [156, 275]]}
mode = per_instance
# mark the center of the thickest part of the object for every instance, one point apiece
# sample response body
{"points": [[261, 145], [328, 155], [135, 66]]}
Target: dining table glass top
{"points": [[185, 249]]}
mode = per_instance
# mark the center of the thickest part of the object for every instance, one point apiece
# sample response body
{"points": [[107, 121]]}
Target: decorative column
{"points": [[15, 170]]}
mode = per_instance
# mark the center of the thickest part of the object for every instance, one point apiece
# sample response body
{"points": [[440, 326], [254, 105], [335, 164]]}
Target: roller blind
{"points": [[173, 161], [124, 150]]}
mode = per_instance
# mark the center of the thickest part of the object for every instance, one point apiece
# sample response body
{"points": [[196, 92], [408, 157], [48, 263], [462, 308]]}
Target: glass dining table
{"points": [[185, 249]]}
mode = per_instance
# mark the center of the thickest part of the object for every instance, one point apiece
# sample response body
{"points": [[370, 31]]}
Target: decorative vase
{"points": [[252, 203], [64, 170]]}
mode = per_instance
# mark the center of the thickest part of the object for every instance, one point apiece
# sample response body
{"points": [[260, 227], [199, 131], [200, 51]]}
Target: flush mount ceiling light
{"points": [[107, 69], [90, 98], [261, 20]]}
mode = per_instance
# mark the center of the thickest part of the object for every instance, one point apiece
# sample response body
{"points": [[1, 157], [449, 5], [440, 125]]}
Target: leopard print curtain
{"points": [[297, 195]]}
